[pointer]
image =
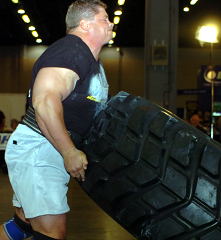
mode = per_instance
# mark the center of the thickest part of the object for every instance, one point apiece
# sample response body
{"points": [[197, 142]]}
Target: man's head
{"points": [[82, 9], [195, 120], [89, 17]]}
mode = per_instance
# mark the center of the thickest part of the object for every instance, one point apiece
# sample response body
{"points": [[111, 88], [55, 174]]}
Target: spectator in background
{"points": [[2, 121], [207, 119], [14, 123], [2, 152], [196, 121]]}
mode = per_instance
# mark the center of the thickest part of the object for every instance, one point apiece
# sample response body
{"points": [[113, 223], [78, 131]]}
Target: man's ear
{"points": [[84, 24]]}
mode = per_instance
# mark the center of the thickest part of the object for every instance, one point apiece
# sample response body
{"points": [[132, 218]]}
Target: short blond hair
{"points": [[82, 9]]}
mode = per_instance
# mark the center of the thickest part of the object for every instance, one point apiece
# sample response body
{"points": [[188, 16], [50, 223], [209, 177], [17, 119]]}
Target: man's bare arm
{"points": [[52, 86]]}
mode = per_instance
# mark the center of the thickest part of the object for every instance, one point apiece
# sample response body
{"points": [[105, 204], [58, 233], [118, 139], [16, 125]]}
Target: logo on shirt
{"points": [[98, 88], [93, 99]]}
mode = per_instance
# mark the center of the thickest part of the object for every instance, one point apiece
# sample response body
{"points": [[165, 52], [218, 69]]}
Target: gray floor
{"points": [[86, 221]]}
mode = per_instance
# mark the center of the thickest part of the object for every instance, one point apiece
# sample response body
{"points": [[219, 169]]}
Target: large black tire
{"points": [[156, 175]]}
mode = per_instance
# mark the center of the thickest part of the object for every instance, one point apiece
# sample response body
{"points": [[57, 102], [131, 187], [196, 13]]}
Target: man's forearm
{"points": [[49, 116]]}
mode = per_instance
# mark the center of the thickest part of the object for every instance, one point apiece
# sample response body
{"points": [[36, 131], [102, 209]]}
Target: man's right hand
{"points": [[75, 162]]}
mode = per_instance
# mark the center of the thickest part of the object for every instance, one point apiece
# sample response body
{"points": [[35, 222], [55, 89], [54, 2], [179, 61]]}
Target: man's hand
{"points": [[75, 162]]}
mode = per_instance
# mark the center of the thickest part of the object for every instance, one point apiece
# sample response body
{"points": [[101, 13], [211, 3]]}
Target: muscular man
{"points": [[67, 90]]}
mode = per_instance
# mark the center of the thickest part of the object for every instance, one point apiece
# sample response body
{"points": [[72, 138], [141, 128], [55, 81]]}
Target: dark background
{"points": [[48, 17]]}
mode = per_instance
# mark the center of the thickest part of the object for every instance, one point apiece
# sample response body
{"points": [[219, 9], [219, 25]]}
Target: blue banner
{"points": [[3, 140], [206, 75]]}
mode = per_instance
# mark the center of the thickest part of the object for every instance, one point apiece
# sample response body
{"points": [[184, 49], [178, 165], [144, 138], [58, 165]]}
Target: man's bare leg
{"points": [[53, 226], [3, 235], [21, 215], [19, 212]]}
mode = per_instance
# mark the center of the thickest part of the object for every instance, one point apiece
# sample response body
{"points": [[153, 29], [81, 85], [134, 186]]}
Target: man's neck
{"points": [[95, 48]]}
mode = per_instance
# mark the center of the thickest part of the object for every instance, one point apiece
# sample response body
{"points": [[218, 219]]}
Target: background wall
{"points": [[124, 69], [15, 67], [13, 106]]}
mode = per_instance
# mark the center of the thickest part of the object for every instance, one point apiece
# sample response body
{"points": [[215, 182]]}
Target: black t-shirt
{"points": [[91, 90]]}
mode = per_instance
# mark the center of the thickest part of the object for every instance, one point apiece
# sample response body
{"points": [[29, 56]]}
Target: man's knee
{"points": [[40, 236], [17, 229]]}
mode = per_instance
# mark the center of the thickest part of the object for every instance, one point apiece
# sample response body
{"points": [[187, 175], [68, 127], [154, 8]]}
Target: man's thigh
{"points": [[37, 174], [50, 225]]}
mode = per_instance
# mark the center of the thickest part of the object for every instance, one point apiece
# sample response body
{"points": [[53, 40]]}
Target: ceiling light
{"points": [[121, 2], [186, 9], [21, 11], [38, 40], [34, 33], [118, 12], [207, 33], [114, 34], [116, 20], [111, 42], [15, 1], [193, 2], [26, 18], [31, 28]]}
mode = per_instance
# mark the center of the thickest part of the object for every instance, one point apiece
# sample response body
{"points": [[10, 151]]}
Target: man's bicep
{"points": [[56, 81]]}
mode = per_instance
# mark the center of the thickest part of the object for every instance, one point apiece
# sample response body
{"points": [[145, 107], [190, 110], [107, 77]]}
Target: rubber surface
{"points": [[156, 175]]}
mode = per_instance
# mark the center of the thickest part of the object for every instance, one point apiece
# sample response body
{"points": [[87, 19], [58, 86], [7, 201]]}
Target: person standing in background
{"points": [[2, 121]]}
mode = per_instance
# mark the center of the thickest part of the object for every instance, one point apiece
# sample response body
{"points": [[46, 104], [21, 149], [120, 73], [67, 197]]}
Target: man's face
{"points": [[100, 27]]}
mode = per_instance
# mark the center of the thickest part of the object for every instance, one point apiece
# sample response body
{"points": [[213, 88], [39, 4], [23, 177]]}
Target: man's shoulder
{"points": [[68, 40]]}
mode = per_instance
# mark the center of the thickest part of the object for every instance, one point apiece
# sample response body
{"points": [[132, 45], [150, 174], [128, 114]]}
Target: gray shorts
{"points": [[37, 174]]}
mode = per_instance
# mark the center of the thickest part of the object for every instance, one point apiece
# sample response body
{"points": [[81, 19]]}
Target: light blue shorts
{"points": [[37, 174]]}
